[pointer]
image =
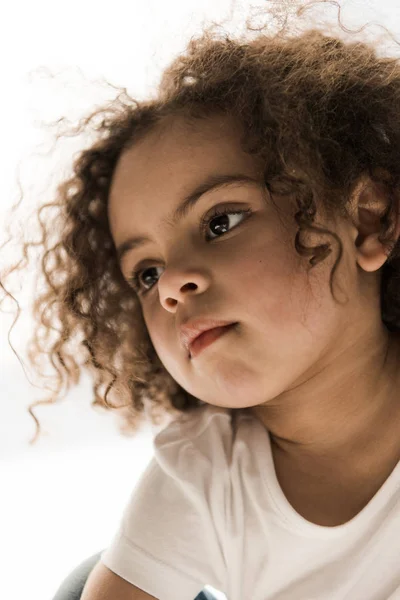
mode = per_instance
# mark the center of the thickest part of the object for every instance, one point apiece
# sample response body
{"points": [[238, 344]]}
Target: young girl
{"points": [[230, 257]]}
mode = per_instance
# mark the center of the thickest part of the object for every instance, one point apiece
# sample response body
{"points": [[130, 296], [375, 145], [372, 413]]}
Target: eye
{"points": [[221, 216], [223, 222]]}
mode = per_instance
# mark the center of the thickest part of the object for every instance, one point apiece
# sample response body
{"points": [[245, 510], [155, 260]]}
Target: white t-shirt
{"points": [[209, 510]]}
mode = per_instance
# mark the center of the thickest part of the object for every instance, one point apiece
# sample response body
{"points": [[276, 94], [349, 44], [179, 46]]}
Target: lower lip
{"points": [[207, 338]]}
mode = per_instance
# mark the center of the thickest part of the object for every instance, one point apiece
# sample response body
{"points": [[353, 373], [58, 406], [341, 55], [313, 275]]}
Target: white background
{"points": [[61, 500]]}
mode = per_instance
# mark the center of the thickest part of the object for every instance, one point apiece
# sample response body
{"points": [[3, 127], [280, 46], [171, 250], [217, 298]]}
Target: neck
{"points": [[348, 411]]}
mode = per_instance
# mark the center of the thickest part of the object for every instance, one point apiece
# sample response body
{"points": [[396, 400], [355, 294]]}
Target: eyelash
{"points": [[134, 279]]}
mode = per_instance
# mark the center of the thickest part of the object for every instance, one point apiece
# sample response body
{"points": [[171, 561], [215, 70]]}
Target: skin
{"points": [[323, 377]]}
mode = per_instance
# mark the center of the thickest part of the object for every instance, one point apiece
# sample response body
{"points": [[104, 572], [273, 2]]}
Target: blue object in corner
{"points": [[205, 595]]}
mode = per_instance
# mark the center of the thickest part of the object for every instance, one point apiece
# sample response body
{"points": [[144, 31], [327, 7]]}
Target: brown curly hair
{"points": [[318, 110]]}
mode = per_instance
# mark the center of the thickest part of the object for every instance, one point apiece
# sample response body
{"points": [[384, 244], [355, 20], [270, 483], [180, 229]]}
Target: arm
{"points": [[103, 584]]}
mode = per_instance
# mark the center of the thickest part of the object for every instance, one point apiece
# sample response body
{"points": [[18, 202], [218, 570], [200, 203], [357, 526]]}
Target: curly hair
{"points": [[318, 110]]}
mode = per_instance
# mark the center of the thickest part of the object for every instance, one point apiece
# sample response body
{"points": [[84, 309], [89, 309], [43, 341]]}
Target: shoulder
{"points": [[104, 584]]}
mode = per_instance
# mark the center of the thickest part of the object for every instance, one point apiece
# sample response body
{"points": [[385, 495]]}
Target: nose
{"points": [[174, 286]]}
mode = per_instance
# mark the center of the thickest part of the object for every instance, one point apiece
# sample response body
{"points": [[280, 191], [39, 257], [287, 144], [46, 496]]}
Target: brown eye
{"points": [[222, 219], [138, 277]]}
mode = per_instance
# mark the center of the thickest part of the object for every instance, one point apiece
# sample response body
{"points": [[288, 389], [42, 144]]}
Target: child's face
{"points": [[287, 331]]}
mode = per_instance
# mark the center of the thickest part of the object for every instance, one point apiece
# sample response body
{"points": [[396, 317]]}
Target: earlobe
{"points": [[370, 254], [369, 204]]}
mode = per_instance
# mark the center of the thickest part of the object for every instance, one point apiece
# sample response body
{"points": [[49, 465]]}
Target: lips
{"points": [[190, 329], [207, 338]]}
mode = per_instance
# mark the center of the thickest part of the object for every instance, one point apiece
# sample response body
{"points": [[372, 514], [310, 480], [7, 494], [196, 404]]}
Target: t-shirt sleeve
{"points": [[169, 539]]}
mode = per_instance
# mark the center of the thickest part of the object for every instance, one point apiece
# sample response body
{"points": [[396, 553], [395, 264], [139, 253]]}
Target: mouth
{"points": [[207, 338]]}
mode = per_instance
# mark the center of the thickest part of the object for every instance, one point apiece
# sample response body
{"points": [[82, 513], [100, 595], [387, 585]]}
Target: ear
{"points": [[368, 203]]}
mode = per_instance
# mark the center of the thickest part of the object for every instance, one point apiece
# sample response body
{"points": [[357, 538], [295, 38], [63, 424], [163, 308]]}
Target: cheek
{"points": [[280, 293], [164, 337], [265, 269], [155, 331]]}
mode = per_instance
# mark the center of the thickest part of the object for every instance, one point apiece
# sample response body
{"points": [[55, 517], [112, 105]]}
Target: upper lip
{"points": [[192, 328]]}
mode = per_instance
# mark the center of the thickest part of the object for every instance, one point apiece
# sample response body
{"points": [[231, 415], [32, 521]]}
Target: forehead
{"points": [[170, 160]]}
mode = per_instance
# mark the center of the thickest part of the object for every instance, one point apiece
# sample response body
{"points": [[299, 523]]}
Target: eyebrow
{"points": [[212, 182]]}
